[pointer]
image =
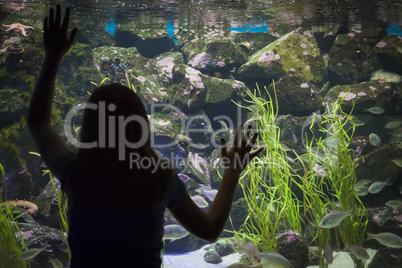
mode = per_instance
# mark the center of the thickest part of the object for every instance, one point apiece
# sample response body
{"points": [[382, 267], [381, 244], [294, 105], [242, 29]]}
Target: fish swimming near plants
{"points": [[63, 246], [208, 192], [200, 201], [358, 251], [387, 239], [397, 162], [334, 218], [251, 250], [31, 253], [274, 259], [198, 146], [56, 263], [361, 190], [328, 253], [375, 110], [374, 139], [377, 186], [392, 125], [363, 182], [174, 232], [394, 203], [27, 217]]}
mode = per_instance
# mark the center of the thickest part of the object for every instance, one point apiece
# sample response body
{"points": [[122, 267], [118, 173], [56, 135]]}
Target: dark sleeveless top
{"points": [[104, 238]]}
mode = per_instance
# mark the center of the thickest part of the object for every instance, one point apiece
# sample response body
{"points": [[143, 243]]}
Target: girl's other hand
{"points": [[239, 155]]}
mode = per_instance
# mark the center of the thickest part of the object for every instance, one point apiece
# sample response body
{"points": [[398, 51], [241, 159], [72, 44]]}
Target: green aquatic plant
{"points": [[98, 85], [129, 84], [62, 204], [11, 238], [267, 182], [329, 180]]}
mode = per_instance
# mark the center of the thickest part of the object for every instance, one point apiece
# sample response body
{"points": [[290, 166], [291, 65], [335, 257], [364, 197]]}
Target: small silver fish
{"points": [[199, 146], [363, 182], [394, 203], [374, 139], [393, 124], [56, 263], [27, 217], [377, 186], [334, 218], [358, 122], [294, 138], [359, 252], [174, 232], [208, 192], [397, 162], [251, 250], [387, 239], [274, 259], [324, 87], [361, 190], [63, 246], [200, 201], [30, 253], [328, 253], [375, 110]]}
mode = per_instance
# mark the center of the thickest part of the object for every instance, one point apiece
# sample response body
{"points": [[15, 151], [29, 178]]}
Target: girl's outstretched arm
{"points": [[209, 225], [56, 42]]}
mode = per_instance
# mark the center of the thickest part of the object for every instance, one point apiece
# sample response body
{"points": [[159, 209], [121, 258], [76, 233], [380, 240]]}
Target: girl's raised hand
{"points": [[55, 35]]}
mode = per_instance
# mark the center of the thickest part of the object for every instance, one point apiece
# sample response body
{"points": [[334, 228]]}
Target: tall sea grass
{"points": [[268, 179], [11, 238], [62, 205], [327, 180]]}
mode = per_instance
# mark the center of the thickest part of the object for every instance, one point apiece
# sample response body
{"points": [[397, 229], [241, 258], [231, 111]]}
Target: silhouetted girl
{"points": [[116, 208]]}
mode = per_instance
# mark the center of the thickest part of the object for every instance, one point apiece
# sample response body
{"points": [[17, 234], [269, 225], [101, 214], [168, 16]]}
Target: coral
{"points": [[386, 76]]}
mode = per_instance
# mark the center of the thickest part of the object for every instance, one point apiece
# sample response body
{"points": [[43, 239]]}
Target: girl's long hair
{"points": [[99, 177]]}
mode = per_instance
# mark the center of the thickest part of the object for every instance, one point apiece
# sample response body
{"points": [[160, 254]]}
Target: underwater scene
{"points": [[320, 81]]}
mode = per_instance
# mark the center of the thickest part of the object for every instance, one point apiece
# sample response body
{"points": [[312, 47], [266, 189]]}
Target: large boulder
{"points": [[389, 54], [351, 59], [365, 95], [214, 55], [387, 257], [294, 248], [252, 42], [295, 53], [296, 95]]}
